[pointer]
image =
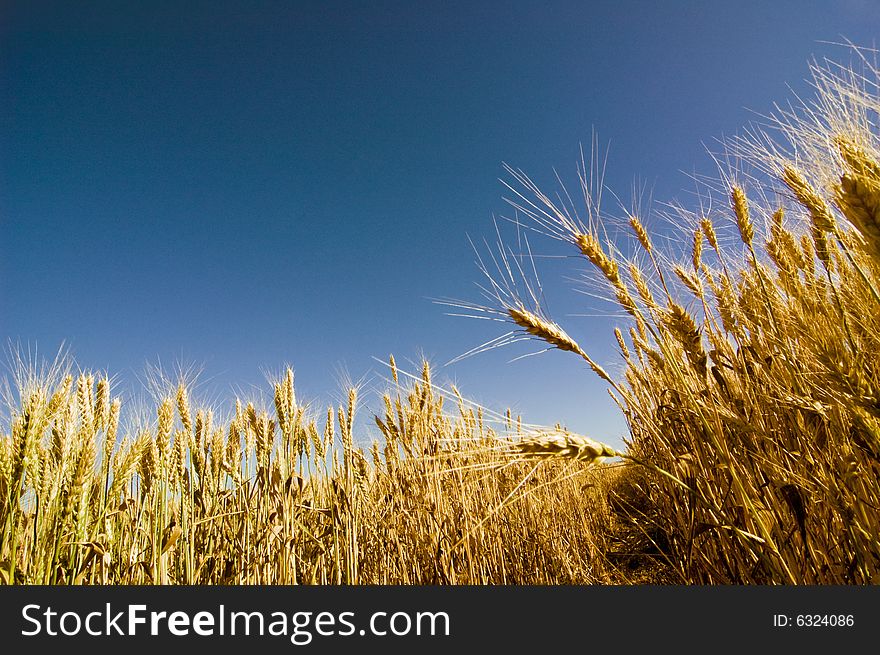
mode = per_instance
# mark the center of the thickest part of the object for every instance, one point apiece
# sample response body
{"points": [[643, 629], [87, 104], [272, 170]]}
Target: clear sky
{"points": [[242, 185]]}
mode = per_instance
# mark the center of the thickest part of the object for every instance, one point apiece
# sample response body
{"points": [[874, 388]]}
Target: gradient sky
{"points": [[241, 185]]}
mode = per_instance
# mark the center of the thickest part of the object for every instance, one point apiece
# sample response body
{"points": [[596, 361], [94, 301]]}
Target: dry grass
{"points": [[270, 496], [751, 381]]}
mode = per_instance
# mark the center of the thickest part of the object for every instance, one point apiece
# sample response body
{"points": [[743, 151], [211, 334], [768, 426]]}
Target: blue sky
{"points": [[242, 185]]}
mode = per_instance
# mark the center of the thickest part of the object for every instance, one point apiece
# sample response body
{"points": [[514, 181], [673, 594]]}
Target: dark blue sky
{"points": [[243, 185]]}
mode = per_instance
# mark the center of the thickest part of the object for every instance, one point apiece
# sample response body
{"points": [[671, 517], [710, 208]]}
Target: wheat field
{"points": [[748, 374]]}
